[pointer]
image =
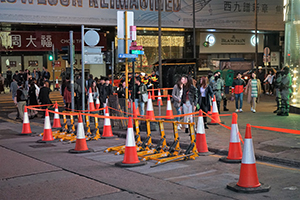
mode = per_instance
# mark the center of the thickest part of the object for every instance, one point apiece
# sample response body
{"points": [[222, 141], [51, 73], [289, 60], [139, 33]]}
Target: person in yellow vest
{"points": [[146, 80], [154, 79]]}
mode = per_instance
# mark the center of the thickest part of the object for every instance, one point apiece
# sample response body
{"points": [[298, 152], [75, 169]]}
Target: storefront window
{"points": [[292, 44]]}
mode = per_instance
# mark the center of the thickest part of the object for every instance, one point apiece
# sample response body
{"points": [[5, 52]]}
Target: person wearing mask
{"points": [[218, 88], [8, 77], [2, 84], [220, 72], [44, 96], [177, 95], [21, 99], [285, 92], [102, 92], [189, 99], [33, 97], [237, 89], [253, 90], [140, 90], [205, 94], [277, 83]]}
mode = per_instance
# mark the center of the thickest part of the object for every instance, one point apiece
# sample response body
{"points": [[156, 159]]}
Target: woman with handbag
{"points": [[140, 95], [189, 99]]}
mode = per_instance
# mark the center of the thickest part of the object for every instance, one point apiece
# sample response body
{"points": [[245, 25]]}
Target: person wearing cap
{"points": [[237, 89]]}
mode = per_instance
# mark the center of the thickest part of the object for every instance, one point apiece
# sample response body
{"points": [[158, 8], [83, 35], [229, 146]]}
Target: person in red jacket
{"points": [[237, 89]]}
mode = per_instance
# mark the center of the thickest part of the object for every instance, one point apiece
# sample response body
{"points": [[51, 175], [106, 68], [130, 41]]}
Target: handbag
{"points": [[145, 96]]}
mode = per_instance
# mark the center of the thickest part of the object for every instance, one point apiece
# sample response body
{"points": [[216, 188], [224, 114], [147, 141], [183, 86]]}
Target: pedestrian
{"points": [[205, 94], [33, 97], [78, 93], [121, 95], [261, 77], [67, 94], [189, 99], [13, 89], [16, 76], [35, 75], [140, 93], [176, 96], [217, 86], [269, 80], [63, 74], [8, 77], [277, 83], [2, 84], [224, 98], [108, 88], [22, 97], [237, 89], [102, 92], [95, 91], [253, 91], [285, 92], [44, 96]]}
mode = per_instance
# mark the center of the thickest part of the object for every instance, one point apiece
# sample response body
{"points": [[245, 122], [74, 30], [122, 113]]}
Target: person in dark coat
{"points": [[44, 96], [102, 92], [33, 97], [205, 93]]}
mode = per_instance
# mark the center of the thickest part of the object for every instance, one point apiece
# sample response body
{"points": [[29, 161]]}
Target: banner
{"points": [[41, 41], [224, 14]]}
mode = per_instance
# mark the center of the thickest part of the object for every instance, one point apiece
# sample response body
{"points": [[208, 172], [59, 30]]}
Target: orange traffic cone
{"points": [[130, 157], [169, 112], [150, 111], [136, 112], [107, 131], [235, 150], [97, 103], [56, 83], [91, 101], [56, 121], [248, 181], [159, 101], [201, 137], [215, 114], [26, 130], [47, 136], [81, 146]]}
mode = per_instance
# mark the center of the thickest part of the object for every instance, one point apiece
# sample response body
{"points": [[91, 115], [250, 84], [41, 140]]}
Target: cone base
{"points": [[109, 137], [213, 123], [27, 134], [205, 153], [121, 164], [226, 160], [49, 141], [262, 188], [85, 151]]}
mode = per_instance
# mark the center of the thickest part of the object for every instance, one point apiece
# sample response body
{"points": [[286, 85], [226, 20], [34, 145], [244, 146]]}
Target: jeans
{"points": [[188, 108], [237, 98], [142, 106], [178, 110]]}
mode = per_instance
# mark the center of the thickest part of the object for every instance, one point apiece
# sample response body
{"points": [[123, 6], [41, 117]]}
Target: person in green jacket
{"points": [[285, 92]]}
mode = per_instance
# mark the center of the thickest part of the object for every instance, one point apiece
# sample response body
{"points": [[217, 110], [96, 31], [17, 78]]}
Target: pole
{"points": [[133, 82], [159, 44], [72, 71], [256, 47], [126, 63], [53, 65], [82, 68], [112, 62], [194, 31]]}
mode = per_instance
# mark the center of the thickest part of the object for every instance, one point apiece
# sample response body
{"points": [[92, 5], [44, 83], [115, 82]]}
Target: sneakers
{"points": [[237, 110], [253, 111], [241, 110], [225, 109]]}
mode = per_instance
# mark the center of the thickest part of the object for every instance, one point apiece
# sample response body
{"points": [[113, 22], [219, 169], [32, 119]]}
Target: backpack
{"points": [[24, 95]]}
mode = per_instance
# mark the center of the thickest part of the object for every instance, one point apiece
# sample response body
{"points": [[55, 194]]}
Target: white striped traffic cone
{"points": [[107, 130], [248, 181], [97, 103], [215, 114], [169, 112], [159, 101], [56, 120], [235, 150], [150, 111], [91, 101], [47, 136], [81, 146], [26, 130], [201, 143], [130, 157]]}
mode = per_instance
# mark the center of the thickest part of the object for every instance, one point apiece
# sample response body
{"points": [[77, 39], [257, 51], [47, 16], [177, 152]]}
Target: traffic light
{"points": [[66, 51], [56, 54], [50, 57]]}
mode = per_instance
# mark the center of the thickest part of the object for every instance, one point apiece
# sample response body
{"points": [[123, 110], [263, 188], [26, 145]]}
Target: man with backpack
{"points": [[21, 98]]}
